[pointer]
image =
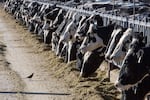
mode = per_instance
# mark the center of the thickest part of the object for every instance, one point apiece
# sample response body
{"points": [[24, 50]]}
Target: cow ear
{"points": [[145, 40], [140, 55]]}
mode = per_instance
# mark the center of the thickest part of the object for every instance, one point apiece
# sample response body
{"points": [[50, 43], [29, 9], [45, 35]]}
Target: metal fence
{"points": [[138, 23]]}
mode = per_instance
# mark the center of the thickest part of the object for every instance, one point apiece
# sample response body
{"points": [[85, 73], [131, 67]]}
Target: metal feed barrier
{"points": [[138, 24]]}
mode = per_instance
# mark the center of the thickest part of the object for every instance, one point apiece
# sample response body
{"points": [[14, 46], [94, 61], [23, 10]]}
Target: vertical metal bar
{"points": [[134, 10], [113, 7]]}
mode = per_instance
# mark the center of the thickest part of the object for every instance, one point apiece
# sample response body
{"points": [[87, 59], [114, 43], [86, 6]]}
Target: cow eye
{"points": [[128, 41], [88, 34], [126, 61], [123, 49], [70, 36], [131, 45], [94, 39]]}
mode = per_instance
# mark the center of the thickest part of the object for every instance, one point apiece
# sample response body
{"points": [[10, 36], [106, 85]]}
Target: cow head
{"points": [[91, 42], [114, 39], [132, 71], [77, 35], [71, 29], [96, 37], [59, 18], [91, 62], [52, 14], [83, 29], [121, 48]]}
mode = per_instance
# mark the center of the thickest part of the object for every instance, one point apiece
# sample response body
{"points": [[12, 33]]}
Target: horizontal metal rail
{"points": [[109, 16], [120, 19]]}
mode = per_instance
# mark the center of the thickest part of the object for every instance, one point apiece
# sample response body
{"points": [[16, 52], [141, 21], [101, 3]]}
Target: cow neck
{"points": [[105, 32]]}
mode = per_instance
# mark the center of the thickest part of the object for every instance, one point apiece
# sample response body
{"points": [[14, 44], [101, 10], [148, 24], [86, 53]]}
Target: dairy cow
{"points": [[96, 37], [81, 34], [49, 18], [121, 48], [95, 41], [138, 92], [114, 39], [57, 33], [59, 45], [135, 64], [68, 38], [33, 9], [83, 29]]}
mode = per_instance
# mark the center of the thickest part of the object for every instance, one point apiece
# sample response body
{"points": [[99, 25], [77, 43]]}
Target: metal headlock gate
{"points": [[138, 25]]}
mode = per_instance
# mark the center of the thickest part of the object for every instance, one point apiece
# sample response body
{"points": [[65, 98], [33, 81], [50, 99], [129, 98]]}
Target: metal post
{"points": [[134, 10], [113, 6]]}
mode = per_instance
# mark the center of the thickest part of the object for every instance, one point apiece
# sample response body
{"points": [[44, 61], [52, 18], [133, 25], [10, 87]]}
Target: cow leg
{"points": [[36, 28], [53, 41], [111, 66], [31, 27], [108, 71], [46, 32], [69, 52], [79, 63], [73, 52], [63, 48], [65, 53]]}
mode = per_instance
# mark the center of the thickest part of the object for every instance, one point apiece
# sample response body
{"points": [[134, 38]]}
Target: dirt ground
{"points": [[21, 54]]}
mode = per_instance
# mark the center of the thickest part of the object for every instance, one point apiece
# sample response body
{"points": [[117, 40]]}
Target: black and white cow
{"points": [[50, 28], [50, 18], [35, 18], [31, 18], [25, 13], [15, 6], [135, 65], [83, 29], [81, 34], [59, 45], [73, 43], [68, 38], [6, 5], [121, 48], [95, 41], [56, 35], [34, 8], [96, 37], [59, 18], [18, 13], [40, 21], [114, 39], [138, 92], [71, 29]]}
